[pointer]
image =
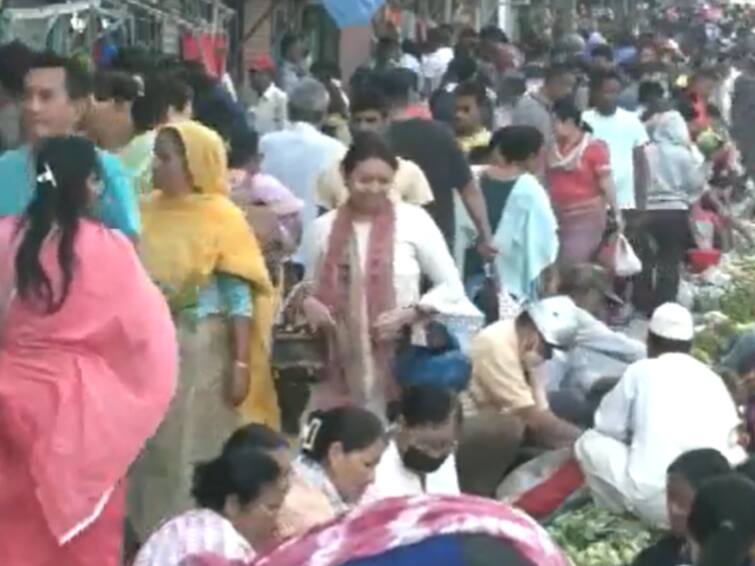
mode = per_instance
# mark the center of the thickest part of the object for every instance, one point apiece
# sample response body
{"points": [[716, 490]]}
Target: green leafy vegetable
{"points": [[592, 536]]}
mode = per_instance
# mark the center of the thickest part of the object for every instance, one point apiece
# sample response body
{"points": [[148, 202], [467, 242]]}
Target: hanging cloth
{"points": [[352, 13]]}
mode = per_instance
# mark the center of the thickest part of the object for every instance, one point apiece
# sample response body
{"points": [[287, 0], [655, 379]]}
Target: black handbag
{"points": [[297, 352]]}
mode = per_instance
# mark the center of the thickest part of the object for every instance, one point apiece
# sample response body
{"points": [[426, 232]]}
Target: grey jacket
{"points": [[677, 177]]}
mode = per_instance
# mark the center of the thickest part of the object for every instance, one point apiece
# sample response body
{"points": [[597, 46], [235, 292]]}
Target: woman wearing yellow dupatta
{"points": [[198, 247]]}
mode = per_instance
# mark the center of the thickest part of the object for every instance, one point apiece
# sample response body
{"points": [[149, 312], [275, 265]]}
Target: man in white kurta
{"points": [[420, 459], [661, 408], [394, 479]]}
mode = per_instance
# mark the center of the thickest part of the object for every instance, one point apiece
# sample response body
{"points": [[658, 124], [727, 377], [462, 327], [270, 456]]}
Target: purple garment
{"points": [[249, 191], [263, 189]]}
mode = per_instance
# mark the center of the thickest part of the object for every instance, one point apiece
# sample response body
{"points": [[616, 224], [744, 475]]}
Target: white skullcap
{"points": [[673, 322]]}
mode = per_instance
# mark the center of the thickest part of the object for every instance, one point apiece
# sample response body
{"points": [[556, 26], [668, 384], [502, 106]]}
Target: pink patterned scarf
{"points": [[374, 529], [343, 285]]}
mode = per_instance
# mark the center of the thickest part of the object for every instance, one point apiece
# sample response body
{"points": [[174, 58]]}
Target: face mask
{"points": [[420, 462]]}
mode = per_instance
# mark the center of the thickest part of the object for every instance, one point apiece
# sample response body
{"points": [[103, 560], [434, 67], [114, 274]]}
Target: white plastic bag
{"points": [[626, 261], [686, 295], [618, 257]]}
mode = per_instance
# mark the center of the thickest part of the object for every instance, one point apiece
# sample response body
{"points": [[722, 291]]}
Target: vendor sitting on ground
{"points": [[739, 367], [507, 394], [420, 457], [685, 476], [661, 408], [578, 377]]}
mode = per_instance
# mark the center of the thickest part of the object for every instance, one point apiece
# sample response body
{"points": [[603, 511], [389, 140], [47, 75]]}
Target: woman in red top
{"points": [[580, 185]]}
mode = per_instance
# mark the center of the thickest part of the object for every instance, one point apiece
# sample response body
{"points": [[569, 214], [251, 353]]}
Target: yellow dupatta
{"points": [[186, 240]]}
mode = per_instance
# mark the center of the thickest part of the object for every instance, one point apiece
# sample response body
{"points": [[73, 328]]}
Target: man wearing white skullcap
{"points": [[661, 408]]}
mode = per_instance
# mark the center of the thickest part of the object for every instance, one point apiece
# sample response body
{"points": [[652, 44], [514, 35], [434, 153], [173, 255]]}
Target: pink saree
{"points": [[81, 390]]}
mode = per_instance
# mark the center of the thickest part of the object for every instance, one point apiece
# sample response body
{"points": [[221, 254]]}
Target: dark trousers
{"points": [[662, 245]]}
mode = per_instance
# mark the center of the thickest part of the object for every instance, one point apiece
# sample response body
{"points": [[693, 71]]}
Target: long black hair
{"points": [[355, 428], [244, 473], [61, 200], [722, 520], [368, 145], [565, 109], [243, 468]]}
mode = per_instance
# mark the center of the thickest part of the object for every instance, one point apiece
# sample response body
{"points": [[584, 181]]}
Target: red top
{"points": [[570, 187], [701, 108], [419, 110]]}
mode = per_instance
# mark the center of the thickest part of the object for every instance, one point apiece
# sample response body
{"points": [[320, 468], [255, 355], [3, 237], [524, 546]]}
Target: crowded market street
{"points": [[377, 282]]}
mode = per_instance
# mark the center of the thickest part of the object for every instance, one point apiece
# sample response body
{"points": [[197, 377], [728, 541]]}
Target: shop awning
{"points": [[351, 13]]}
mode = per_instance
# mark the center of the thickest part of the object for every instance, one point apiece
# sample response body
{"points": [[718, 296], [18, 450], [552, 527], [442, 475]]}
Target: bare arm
{"points": [[240, 338], [606, 186], [236, 295], [474, 202], [641, 177], [547, 430], [544, 426]]}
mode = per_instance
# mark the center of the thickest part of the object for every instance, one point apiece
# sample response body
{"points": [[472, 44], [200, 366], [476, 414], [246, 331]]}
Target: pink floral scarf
{"points": [[343, 285], [377, 528]]}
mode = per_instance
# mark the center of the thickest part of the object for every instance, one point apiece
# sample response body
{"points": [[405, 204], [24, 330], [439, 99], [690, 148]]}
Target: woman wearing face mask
{"points": [[339, 453], [365, 263], [420, 457], [507, 395], [238, 495]]}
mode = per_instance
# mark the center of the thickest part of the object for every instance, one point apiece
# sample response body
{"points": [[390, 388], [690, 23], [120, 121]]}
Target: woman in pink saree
{"points": [[87, 369]]}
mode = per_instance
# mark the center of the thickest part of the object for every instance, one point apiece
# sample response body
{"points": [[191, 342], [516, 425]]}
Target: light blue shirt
{"points": [[116, 208], [225, 295], [527, 236], [297, 156]]}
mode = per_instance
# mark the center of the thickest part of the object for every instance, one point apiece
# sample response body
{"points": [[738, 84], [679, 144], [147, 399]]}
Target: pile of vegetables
{"points": [[731, 317], [714, 338], [592, 536], [729, 288], [738, 300]]}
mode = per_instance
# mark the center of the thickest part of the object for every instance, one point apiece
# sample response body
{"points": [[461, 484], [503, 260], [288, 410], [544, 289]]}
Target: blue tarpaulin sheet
{"points": [[350, 13]]}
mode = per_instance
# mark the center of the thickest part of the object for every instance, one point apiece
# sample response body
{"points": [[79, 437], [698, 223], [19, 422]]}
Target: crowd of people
{"points": [[434, 253]]}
